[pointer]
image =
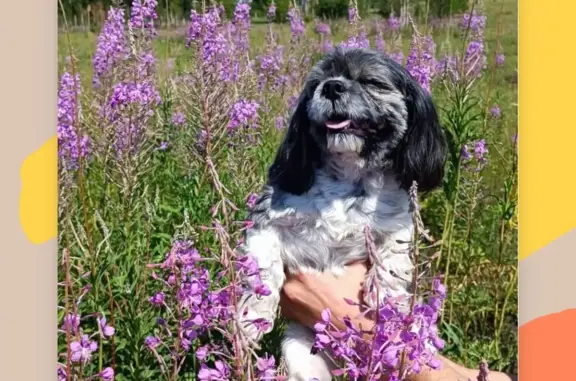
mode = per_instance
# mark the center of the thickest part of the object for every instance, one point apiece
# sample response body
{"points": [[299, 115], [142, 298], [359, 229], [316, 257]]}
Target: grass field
{"points": [[150, 174]]}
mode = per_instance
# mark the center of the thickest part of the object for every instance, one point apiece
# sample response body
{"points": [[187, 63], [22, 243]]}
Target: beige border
{"points": [[28, 75], [546, 278]]}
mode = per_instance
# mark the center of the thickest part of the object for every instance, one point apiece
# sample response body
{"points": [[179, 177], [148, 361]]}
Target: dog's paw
{"points": [[256, 317]]}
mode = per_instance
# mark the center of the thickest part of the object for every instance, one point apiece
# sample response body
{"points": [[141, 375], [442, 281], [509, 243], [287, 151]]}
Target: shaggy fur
{"points": [[328, 182]]}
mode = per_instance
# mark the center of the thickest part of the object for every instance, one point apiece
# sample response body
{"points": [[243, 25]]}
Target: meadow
{"points": [[166, 134]]}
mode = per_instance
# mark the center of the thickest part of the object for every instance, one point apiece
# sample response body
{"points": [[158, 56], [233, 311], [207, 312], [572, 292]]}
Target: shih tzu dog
{"points": [[362, 132]]}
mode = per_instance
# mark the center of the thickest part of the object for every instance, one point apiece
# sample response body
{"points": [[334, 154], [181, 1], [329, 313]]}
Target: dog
{"points": [[362, 132]]}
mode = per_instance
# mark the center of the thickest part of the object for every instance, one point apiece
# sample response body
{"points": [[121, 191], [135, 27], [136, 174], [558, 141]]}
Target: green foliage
{"points": [[432, 8], [282, 7], [332, 9]]}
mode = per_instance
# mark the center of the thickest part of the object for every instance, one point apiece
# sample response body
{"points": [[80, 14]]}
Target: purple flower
{"points": [[71, 147], [495, 112], [500, 59], [82, 350], [292, 102], [252, 198], [439, 288], [158, 299], [131, 106], [352, 15], [202, 353], [71, 322], [244, 113], [62, 376], [107, 374], [271, 13], [393, 23], [421, 63], [261, 289], [266, 368], [395, 331], [221, 372], [398, 57], [480, 149], [323, 29], [178, 119], [142, 16], [476, 22], [152, 342], [279, 122], [297, 27], [106, 330], [111, 46]]}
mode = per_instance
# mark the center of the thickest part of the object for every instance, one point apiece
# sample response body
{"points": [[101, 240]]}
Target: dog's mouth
{"points": [[338, 123]]}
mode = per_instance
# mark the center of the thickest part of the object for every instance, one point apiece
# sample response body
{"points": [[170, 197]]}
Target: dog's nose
{"points": [[332, 89]]}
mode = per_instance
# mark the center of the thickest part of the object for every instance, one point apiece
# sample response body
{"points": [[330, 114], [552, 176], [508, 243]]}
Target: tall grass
{"points": [[164, 136]]}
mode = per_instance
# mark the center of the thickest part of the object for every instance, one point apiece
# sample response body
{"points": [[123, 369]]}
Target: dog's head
{"points": [[361, 102]]}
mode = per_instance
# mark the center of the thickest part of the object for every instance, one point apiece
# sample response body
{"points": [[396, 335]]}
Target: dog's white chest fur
{"points": [[324, 230]]}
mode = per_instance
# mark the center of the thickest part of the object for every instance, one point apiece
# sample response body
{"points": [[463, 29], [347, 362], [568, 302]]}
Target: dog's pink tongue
{"points": [[338, 126]]}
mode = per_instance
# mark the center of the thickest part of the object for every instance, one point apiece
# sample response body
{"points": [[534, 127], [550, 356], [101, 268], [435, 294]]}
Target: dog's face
{"points": [[355, 103], [361, 102]]}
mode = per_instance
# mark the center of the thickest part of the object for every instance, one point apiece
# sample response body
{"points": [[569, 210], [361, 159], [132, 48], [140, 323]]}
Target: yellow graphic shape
{"points": [[547, 205], [39, 193]]}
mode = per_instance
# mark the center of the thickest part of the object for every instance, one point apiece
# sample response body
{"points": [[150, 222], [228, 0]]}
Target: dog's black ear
{"points": [[293, 169], [421, 154]]}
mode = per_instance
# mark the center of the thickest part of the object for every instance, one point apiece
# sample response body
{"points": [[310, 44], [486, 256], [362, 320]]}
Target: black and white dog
{"points": [[362, 132]]}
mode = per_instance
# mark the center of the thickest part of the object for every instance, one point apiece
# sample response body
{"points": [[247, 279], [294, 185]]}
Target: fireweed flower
{"points": [[82, 350], [251, 201], [393, 23], [415, 332], [106, 329], [142, 16], [297, 27], [266, 368], [352, 15], [178, 119], [71, 322], [107, 374], [221, 371], [420, 62], [500, 59], [241, 22], [131, 106], [269, 67], [70, 146], [152, 342], [271, 13], [495, 112], [157, 299], [62, 376], [322, 29], [111, 46], [474, 57], [480, 150], [244, 113], [279, 122]]}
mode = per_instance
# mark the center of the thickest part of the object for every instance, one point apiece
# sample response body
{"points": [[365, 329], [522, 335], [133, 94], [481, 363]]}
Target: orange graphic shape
{"points": [[547, 349]]}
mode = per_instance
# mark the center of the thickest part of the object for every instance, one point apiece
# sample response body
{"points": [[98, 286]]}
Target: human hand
{"points": [[305, 296]]}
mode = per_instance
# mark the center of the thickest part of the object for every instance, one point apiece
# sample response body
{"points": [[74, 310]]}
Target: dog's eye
{"points": [[377, 84]]}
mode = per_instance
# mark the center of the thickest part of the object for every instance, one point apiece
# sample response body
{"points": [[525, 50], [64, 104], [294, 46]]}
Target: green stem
{"points": [[450, 228]]}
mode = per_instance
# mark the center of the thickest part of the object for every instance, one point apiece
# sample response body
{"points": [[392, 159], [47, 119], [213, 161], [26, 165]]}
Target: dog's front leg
{"points": [[265, 248]]}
